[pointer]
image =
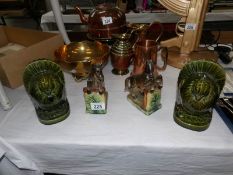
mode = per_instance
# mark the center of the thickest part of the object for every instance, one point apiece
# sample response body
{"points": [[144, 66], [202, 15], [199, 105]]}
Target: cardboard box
{"points": [[33, 45]]}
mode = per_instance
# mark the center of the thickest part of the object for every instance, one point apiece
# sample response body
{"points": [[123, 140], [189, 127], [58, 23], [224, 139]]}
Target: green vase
{"points": [[44, 83], [199, 86]]}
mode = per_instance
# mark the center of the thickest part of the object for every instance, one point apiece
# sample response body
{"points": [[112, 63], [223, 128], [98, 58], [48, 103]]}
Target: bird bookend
{"points": [[95, 94], [199, 86]]}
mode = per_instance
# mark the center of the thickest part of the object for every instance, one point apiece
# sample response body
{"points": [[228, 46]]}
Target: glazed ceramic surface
{"points": [[199, 86], [121, 54], [140, 32], [44, 83], [95, 95], [148, 49], [145, 89], [81, 55], [104, 20]]}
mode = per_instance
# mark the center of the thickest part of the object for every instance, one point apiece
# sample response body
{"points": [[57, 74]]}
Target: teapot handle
{"points": [[81, 15], [164, 56]]}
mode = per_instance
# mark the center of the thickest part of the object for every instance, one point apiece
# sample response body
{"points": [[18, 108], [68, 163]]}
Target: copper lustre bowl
{"points": [[78, 57]]}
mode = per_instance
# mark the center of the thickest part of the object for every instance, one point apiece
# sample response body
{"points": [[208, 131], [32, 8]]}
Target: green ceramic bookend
{"points": [[145, 89], [95, 95], [44, 83], [199, 86]]}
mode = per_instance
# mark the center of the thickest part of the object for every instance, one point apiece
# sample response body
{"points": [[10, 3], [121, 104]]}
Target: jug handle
{"points": [[161, 29], [164, 58]]}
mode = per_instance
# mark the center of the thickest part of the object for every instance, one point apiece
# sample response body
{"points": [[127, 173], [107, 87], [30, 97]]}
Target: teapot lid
{"points": [[104, 6]]}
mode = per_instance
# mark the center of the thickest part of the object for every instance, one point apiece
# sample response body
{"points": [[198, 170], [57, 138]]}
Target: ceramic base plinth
{"points": [[54, 121], [150, 108], [50, 117], [96, 98], [193, 122], [178, 60]]}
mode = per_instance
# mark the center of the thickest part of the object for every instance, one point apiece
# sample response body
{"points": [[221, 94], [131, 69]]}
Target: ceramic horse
{"points": [[95, 81], [144, 82]]}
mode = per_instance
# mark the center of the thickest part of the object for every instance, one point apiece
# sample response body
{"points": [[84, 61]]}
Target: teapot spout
{"points": [[83, 19]]}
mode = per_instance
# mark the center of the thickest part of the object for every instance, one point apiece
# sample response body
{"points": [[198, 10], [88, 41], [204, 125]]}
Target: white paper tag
{"points": [[190, 26], [106, 20], [97, 106]]}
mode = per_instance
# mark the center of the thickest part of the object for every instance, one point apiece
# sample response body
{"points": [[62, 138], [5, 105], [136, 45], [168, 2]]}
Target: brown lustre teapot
{"points": [[103, 21]]}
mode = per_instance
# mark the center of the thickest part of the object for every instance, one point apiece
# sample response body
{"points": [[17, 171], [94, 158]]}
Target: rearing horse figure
{"points": [[145, 89], [144, 82], [95, 81]]}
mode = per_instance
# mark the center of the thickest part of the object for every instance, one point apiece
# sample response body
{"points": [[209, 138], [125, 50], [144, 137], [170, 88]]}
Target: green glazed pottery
{"points": [[199, 86], [44, 83]]}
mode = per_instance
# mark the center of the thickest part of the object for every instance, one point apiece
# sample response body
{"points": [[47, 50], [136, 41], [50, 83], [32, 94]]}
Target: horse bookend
{"points": [[145, 89], [95, 95]]}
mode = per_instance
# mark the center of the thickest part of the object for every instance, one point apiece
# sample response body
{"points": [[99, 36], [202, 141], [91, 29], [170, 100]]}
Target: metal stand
{"points": [[178, 60]]}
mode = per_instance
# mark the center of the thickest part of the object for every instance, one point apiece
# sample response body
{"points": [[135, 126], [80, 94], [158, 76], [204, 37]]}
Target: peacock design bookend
{"points": [[95, 95], [44, 83], [199, 86]]}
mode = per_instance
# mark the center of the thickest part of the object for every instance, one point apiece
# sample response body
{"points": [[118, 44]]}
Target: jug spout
{"points": [[83, 19]]}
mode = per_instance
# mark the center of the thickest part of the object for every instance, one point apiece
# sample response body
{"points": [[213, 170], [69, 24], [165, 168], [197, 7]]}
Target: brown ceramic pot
{"points": [[104, 21], [121, 54], [120, 63], [145, 50]]}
